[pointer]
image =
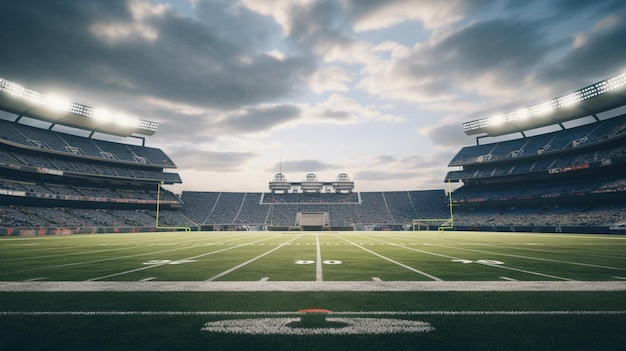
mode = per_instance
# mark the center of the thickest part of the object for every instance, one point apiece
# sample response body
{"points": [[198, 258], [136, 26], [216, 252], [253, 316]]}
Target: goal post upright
{"points": [[158, 207], [444, 223]]}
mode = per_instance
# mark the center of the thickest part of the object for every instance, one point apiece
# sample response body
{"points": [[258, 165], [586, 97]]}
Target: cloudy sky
{"points": [[243, 89]]}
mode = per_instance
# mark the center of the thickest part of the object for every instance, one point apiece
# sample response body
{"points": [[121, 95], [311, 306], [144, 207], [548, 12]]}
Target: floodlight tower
{"points": [[343, 183], [279, 184], [311, 184]]}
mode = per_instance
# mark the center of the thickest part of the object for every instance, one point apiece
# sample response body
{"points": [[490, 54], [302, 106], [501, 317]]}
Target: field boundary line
{"points": [[333, 313], [309, 286]]}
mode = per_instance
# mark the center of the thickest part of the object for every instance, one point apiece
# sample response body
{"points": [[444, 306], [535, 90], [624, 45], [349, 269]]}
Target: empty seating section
{"points": [[21, 216], [536, 165], [76, 145], [546, 143], [77, 165], [81, 193], [508, 218], [251, 212], [344, 210], [539, 189]]}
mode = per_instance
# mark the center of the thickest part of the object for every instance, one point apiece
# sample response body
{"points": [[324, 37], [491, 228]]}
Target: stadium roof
{"points": [[30, 103], [599, 97]]}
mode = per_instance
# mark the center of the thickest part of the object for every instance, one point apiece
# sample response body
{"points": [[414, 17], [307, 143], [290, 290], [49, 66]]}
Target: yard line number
{"points": [[313, 261]]}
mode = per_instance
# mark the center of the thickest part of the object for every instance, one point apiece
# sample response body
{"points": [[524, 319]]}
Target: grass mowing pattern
{"points": [[462, 320]]}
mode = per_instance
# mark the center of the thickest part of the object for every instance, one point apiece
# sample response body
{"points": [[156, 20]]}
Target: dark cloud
{"points": [[449, 135], [193, 159], [166, 56], [590, 8], [508, 49], [259, 118], [603, 55]]}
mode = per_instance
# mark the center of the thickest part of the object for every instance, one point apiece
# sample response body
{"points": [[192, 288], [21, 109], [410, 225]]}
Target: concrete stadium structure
{"points": [[571, 179]]}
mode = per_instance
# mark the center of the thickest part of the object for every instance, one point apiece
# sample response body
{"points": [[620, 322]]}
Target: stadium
{"points": [[525, 253]]}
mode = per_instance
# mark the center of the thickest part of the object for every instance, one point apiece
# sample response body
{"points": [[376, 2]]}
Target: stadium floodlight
{"points": [[536, 116], [31, 103]]}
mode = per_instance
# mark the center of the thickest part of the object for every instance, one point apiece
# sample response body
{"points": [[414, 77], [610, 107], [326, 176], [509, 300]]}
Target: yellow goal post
{"points": [[444, 223], [158, 207], [441, 224]]}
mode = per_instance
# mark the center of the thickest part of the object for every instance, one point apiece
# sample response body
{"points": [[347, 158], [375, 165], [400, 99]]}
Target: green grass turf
{"points": [[361, 256]]}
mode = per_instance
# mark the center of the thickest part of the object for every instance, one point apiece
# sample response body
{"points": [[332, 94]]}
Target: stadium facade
{"points": [[53, 181]]}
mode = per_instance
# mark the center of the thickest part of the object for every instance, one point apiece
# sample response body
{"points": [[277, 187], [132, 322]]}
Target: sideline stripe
{"points": [[509, 279], [334, 313], [309, 286]]}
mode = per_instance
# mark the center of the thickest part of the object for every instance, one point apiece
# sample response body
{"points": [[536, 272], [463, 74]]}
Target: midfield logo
{"points": [[316, 322]]}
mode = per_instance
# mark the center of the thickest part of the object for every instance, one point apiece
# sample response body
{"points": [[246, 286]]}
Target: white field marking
{"points": [[151, 241], [376, 279], [35, 279], [509, 279], [567, 247], [76, 253], [88, 262], [95, 261], [622, 278], [188, 258], [147, 279], [537, 258], [392, 261], [310, 286], [334, 313], [250, 260], [264, 279], [352, 326], [484, 262], [318, 263]]}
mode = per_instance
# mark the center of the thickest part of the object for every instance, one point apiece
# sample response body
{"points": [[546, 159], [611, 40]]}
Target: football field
{"points": [[313, 290]]}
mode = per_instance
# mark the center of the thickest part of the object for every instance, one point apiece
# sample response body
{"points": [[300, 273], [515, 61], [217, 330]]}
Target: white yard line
{"points": [[92, 261], [188, 258], [318, 262], [478, 262], [330, 314], [390, 260], [309, 286], [536, 258], [250, 260]]}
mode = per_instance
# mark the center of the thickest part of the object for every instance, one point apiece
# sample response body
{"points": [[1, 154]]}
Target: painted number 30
{"points": [[311, 262]]}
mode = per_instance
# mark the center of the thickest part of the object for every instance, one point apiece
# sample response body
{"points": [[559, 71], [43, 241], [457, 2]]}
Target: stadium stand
{"points": [[571, 180], [56, 183], [346, 211], [568, 180]]}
